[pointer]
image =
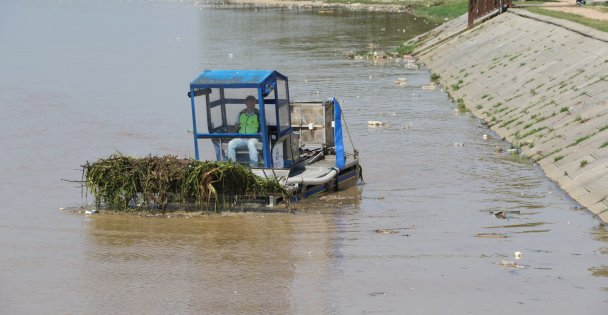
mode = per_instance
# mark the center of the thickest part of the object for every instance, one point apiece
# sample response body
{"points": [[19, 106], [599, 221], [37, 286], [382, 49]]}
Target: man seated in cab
{"points": [[247, 122]]}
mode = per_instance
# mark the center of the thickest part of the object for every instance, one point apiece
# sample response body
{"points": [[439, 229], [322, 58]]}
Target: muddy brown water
{"points": [[80, 80]]}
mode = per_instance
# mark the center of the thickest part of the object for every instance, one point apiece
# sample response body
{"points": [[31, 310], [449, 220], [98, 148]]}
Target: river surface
{"points": [[80, 80]]}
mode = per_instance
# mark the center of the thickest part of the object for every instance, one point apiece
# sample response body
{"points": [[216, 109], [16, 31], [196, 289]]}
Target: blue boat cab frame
{"points": [[272, 88]]}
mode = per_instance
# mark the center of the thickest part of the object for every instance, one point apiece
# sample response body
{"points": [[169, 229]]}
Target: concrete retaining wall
{"points": [[542, 84]]}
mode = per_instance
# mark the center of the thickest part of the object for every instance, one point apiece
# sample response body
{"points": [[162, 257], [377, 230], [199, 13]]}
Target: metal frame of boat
{"points": [[301, 144]]}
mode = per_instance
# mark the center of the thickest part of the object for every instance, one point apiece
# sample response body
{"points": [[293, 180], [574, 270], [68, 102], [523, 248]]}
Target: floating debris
{"points": [[401, 82], [375, 123], [518, 254], [499, 214], [387, 231], [410, 126], [510, 264], [375, 293], [522, 225], [491, 235], [429, 86]]}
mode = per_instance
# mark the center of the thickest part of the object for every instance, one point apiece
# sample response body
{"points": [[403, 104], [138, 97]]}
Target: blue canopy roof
{"points": [[234, 78]]}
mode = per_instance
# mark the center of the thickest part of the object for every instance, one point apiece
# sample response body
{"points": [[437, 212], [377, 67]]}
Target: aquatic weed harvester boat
{"points": [[267, 150], [300, 144]]}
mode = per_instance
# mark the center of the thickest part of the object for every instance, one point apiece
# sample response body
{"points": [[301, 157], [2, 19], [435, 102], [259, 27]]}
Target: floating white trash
{"points": [[430, 86], [374, 123]]}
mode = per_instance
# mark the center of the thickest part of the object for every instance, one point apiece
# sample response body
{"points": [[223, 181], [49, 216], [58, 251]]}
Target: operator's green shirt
{"points": [[249, 123]]}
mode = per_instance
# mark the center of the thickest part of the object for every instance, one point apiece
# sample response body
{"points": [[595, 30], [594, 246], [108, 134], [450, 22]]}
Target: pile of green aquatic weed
{"points": [[124, 183]]}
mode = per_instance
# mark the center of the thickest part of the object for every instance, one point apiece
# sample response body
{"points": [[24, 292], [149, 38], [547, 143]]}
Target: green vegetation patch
{"points": [[406, 48], [460, 105], [440, 10], [124, 183], [597, 24]]}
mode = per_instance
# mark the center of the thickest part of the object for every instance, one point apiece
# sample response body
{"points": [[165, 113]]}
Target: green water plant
{"points": [[124, 183]]}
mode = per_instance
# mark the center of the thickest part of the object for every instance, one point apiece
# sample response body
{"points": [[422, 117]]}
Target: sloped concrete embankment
{"points": [[540, 83]]}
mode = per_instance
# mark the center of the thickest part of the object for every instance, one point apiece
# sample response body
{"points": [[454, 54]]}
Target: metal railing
{"points": [[479, 8]]}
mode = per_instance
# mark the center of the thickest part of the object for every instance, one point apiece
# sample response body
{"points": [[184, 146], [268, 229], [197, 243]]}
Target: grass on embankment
{"points": [[439, 11], [596, 24], [435, 11]]}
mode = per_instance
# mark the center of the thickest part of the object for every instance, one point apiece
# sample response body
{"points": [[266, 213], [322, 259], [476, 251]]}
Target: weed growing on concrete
{"points": [[514, 57], [514, 97], [583, 163], [508, 122], [531, 132], [563, 109], [605, 144], [553, 152], [460, 105], [456, 87], [532, 92], [435, 77], [581, 119], [579, 140], [557, 158]]}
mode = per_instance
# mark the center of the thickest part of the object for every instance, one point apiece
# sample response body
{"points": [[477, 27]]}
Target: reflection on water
{"points": [[415, 233], [213, 257]]}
